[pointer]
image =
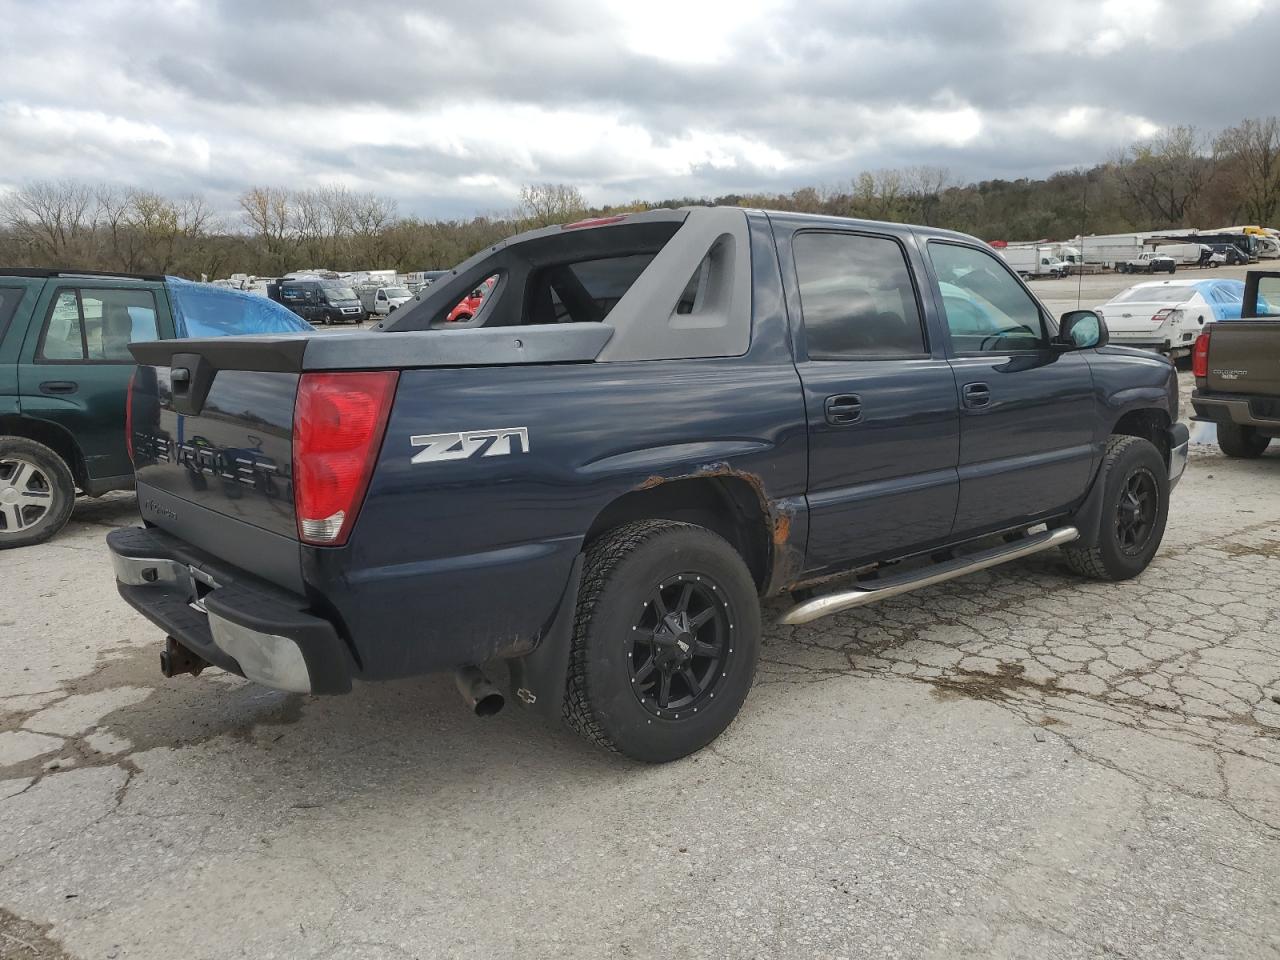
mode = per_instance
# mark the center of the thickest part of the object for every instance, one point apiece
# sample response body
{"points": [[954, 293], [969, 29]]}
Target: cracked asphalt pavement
{"points": [[1015, 764]]}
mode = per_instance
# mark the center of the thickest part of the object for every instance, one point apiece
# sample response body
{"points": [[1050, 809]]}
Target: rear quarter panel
{"points": [[476, 551]]}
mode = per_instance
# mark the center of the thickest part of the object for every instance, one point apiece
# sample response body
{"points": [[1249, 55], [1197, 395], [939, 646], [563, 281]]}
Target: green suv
{"points": [[64, 371]]}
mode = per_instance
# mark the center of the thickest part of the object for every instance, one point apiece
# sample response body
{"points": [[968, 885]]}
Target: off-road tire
{"points": [[1100, 554], [1238, 440], [62, 486], [621, 569]]}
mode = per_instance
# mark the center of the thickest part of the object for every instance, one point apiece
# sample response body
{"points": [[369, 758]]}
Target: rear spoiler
{"points": [[470, 347]]}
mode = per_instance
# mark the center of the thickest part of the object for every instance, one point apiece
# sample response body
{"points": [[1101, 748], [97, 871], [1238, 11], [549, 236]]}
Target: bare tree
{"points": [[1252, 152], [923, 187], [1165, 175], [53, 219], [542, 204], [266, 212]]}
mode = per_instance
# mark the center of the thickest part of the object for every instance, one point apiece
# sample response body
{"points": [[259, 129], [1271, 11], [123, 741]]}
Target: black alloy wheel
{"points": [[666, 638], [1136, 511], [680, 645]]}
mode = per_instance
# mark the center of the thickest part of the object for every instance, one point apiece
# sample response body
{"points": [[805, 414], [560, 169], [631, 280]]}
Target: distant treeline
{"points": [[1179, 178]]}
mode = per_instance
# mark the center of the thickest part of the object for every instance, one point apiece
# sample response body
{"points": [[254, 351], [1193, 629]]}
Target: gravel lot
{"points": [[1016, 764]]}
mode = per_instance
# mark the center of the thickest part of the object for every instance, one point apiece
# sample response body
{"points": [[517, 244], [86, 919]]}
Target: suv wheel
{"points": [[1237, 440], [37, 492], [665, 641], [1135, 506]]}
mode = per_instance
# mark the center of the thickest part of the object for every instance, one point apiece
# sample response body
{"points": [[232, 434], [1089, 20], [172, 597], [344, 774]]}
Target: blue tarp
{"points": [[202, 310]]}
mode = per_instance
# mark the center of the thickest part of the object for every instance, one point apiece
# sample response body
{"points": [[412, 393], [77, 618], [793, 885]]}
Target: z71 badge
{"points": [[467, 443]]}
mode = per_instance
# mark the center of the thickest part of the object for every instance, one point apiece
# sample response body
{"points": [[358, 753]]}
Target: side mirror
{"points": [[1081, 330]]}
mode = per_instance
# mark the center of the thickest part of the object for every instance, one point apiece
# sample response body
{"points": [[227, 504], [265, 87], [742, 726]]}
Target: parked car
{"points": [[1167, 315], [469, 306], [1237, 371], [1148, 263], [318, 300], [381, 301], [64, 372], [656, 420], [1222, 254]]}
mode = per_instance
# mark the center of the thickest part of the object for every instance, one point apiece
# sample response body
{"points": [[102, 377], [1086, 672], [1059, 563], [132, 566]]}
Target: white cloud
{"points": [[449, 110]]}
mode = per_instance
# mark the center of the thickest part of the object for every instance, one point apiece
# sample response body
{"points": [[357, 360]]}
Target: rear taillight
{"points": [[338, 423], [128, 415], [1200, 356], [1160, 316]]}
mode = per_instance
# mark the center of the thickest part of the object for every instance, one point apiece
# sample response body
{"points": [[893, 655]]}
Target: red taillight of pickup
{"points": [[338, 423], [1200, 357]]}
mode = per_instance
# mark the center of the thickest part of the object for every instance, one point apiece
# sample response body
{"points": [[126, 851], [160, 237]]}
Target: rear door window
{"points": [[97, 326], [63, 337], [856, 297], [115, 318]]}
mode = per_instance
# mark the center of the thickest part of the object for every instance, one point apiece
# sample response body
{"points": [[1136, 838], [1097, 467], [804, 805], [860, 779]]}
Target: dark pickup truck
{"points": [[652, 422], [1236, 364]]}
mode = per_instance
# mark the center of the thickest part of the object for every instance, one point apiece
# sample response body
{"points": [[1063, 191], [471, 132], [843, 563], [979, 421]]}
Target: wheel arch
{"points": [[729, 506], [1148, 423], [56, 438]]}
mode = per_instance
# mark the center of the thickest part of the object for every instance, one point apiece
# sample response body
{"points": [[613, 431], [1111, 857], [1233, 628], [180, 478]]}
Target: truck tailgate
{"points": [[1244, 357], [218, 473]]}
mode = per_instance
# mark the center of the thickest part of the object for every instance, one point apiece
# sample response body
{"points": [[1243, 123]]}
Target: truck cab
{"points": [[383, 300]]}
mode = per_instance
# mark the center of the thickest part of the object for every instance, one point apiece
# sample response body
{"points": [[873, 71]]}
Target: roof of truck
{"points": [[45, 273]]}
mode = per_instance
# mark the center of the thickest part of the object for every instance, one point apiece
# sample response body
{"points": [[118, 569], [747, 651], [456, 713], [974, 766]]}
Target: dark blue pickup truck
{"points": [[653, 422]]}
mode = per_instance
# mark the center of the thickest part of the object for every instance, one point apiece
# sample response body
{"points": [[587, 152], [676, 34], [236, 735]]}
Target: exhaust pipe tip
{"points": [[478, 692], [489, 704]]}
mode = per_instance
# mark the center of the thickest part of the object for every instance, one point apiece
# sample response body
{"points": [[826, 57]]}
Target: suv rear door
{"points": [[1027, 415], [75, 364], [879, 396]]}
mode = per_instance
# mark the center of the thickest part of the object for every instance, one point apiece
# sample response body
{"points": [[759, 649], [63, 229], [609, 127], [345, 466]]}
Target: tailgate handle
{"points": [[190, 377]]}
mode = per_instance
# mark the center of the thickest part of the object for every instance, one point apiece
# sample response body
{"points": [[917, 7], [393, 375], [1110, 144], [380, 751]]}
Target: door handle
{"points": [[59, 386], [843, 409], [976, 395]]}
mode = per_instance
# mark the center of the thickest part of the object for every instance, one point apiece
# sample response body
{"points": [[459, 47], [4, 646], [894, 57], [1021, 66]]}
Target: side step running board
{"points": [[939, 573]]}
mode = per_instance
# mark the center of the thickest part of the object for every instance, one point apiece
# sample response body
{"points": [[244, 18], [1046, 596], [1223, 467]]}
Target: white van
{"points": [[383, 300]]}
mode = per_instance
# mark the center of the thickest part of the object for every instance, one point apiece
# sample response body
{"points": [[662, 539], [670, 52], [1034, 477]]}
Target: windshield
{"points": [[337, 291], [397, 293], [1154, 295], [203, 310]]}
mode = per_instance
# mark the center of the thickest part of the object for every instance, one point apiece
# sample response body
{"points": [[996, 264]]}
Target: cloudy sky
{"points": [[448, 106]]}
